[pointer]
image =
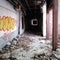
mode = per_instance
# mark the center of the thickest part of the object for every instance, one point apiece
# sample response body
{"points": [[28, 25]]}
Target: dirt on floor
{"points": [[29, 47]]}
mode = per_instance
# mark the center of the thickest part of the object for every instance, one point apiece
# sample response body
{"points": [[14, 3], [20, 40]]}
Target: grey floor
{"points": [[30, 47]]}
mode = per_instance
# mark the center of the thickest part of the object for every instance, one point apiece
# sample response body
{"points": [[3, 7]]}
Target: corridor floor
{"points": [[28, 47]]}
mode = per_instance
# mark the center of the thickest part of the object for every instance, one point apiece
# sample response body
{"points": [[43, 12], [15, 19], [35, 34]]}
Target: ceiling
{"points": [[30, 5]]}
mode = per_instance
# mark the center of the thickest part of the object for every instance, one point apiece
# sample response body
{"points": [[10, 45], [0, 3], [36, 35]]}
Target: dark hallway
{"points": [[26, 27], [34, 14], [34, 21]]}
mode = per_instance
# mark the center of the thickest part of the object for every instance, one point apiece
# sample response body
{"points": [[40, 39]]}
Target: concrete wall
{"points": [[49, 23], [7, 9], [59, 17], [21, 29], [44, 20]]}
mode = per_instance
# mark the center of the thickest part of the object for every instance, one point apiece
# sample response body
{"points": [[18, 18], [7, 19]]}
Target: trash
{"points": [[27, 48]]}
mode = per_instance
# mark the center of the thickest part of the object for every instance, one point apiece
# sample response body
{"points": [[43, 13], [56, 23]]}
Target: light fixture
{"points": [[34, 22], [18, 7], [38, 2]]}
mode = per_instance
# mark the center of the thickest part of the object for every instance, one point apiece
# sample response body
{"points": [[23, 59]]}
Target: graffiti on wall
{"points": [[6, 23]]}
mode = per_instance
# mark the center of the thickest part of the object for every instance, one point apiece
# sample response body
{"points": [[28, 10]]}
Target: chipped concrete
{"points": [[28, 47]]}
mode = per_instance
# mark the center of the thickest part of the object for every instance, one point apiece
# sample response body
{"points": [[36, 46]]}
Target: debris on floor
{"points": [[29, 48]]}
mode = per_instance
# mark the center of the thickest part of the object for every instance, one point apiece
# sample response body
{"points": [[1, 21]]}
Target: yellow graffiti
{"points": [[6, 23]]}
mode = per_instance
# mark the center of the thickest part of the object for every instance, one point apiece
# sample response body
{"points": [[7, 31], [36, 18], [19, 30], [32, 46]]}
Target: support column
{"points": [[19, 24], [55, 25], [44, 20]]}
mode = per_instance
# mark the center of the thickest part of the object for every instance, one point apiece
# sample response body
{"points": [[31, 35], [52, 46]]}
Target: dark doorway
{"points": [[34, 21]]}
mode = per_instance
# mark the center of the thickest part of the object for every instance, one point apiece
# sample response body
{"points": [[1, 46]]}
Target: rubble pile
{"points": [[24, 48]]}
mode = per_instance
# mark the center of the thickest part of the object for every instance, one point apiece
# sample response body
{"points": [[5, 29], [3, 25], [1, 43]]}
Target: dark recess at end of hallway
{"points": [[36, 14]]}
